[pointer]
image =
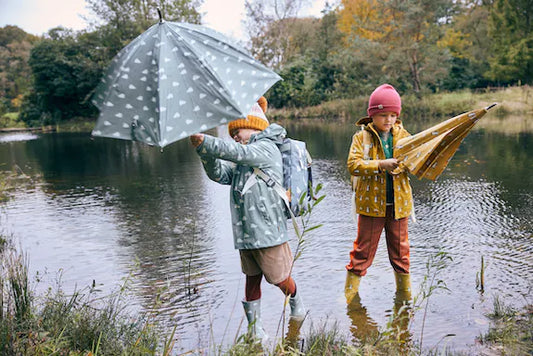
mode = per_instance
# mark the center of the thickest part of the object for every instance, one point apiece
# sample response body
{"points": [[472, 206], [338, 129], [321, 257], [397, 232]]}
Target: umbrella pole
{"points": [[160, 17]]}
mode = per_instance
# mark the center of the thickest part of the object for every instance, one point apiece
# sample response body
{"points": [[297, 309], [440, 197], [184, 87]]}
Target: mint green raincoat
{"points": [[258, 216]]}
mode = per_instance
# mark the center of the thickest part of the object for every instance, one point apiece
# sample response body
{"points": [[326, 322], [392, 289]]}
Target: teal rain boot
{"points": [[253, 314], [297, 307]]}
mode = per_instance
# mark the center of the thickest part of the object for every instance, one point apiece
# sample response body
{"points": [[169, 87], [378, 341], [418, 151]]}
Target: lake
{"points": [[103, 210]]}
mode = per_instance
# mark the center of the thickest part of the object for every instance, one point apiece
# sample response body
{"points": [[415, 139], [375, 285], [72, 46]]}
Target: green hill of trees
{"points": [[421, 47]]}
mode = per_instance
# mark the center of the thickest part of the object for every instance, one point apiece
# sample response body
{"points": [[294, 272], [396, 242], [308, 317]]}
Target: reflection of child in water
{"points": [[258, 216], [383, 199]]}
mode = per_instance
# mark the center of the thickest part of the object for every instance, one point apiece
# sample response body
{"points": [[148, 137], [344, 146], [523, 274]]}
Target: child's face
{"points": [[243, 135], [384, 121]]}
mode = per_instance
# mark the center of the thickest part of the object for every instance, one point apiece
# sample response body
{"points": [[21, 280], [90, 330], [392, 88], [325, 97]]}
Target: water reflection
{"points": [[104, 209], [17, 137]]}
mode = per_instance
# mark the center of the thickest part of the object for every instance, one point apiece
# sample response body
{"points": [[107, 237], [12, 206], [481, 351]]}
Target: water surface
{"points": [[102, 210]]}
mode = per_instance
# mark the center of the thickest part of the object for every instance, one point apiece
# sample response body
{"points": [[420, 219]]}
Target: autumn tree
{"points": [[402, 35]]}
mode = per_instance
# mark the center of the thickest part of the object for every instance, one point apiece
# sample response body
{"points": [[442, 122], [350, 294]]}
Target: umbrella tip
{"points": [[160, 17], [491, 106]]}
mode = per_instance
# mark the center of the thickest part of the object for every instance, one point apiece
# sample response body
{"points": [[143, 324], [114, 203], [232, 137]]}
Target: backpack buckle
{"points": [[270, 182]]}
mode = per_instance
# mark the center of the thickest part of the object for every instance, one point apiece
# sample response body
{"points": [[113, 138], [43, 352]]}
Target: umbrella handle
{"points": [[401, 168]]}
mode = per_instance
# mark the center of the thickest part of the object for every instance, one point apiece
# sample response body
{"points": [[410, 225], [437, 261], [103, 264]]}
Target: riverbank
{"points": [[515, 101], [87, 323]]}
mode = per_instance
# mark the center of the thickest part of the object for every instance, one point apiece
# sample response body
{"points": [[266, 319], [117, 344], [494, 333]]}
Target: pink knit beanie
{"points": [[385, 98]]}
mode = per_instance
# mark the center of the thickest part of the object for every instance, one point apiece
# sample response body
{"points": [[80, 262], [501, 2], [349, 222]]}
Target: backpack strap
{"points": [[278, 188]]}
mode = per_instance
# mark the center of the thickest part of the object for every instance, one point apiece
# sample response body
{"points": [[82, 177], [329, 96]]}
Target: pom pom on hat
{"points": [[255, 119], [263, 103], [384, 99]]}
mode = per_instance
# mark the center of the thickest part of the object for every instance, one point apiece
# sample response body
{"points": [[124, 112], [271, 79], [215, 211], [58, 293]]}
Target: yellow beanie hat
{"points": [[255, 119]]}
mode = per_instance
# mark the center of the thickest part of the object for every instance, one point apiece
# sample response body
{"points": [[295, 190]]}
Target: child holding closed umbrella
{"points": [[258, 216], [383, 197]]}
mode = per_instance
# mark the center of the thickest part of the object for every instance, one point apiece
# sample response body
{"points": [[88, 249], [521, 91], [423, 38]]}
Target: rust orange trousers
{"points": [[368, 233]]}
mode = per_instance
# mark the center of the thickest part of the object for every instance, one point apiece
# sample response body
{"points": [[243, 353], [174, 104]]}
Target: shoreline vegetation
{"points": [[516, 100], [514, 104], [85, 323]]}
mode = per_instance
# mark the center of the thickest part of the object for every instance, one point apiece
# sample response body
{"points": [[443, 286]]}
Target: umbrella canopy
{"points": [[174, 80], [427, 153]]}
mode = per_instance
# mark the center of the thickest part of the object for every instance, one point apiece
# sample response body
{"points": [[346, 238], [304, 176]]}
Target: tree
{"points": [[310, 68], [65, 69], [511, 32], [120, 21], [469, 45], [15, 77], [369, 19], [271, 25]]}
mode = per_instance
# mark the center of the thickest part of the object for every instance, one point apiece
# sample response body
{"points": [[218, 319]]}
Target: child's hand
{"points": [[197, 139], [388, 164]]}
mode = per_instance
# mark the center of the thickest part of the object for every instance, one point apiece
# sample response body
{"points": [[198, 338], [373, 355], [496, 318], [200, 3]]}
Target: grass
{"points": [[10, 120], [77, 124], [81, 323], [511, 330]]}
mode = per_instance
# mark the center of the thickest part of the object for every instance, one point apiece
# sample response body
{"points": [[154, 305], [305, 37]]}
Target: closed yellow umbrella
{"points": [[427, 153]]}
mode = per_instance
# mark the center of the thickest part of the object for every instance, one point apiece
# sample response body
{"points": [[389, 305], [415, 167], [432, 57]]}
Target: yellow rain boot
{"points": [[351, 288], [402, 310], [403, 284]]}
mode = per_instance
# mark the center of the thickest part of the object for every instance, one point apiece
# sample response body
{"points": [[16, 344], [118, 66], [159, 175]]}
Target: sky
{"points": [[38, 16]]}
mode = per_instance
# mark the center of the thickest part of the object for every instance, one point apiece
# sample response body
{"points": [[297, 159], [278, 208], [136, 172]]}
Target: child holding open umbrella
{"points": [[258, 216], [383, 198]]}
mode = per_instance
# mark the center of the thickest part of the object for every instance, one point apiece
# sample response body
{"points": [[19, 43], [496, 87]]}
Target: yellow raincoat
{"points": [[371, 192]]}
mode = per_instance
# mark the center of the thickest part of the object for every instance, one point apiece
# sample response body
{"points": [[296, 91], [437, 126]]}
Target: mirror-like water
{"points": [[103, 209]]}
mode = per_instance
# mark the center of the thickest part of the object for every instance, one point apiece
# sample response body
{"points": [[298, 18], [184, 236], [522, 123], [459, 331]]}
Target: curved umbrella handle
{"points": [[401, 168]]}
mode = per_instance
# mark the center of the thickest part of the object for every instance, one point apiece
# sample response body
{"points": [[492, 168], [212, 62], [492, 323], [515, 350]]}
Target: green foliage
{"points": [[511, 33], [65, 69], [295, 90], [60, 324], [309, 69], [510, 328], [10, 119], [120, 21], [15, 75]]}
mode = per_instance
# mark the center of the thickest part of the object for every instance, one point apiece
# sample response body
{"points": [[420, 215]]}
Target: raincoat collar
{"points": [[395, 129], [274, 132], [367, 120]]}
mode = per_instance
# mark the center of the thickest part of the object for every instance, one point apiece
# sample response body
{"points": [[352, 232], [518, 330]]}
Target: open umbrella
{"points": [[174, 80], [427, 153]]}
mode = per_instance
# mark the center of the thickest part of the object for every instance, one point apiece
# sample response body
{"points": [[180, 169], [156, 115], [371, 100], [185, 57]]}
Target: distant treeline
{"points": [[419, 46]]}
